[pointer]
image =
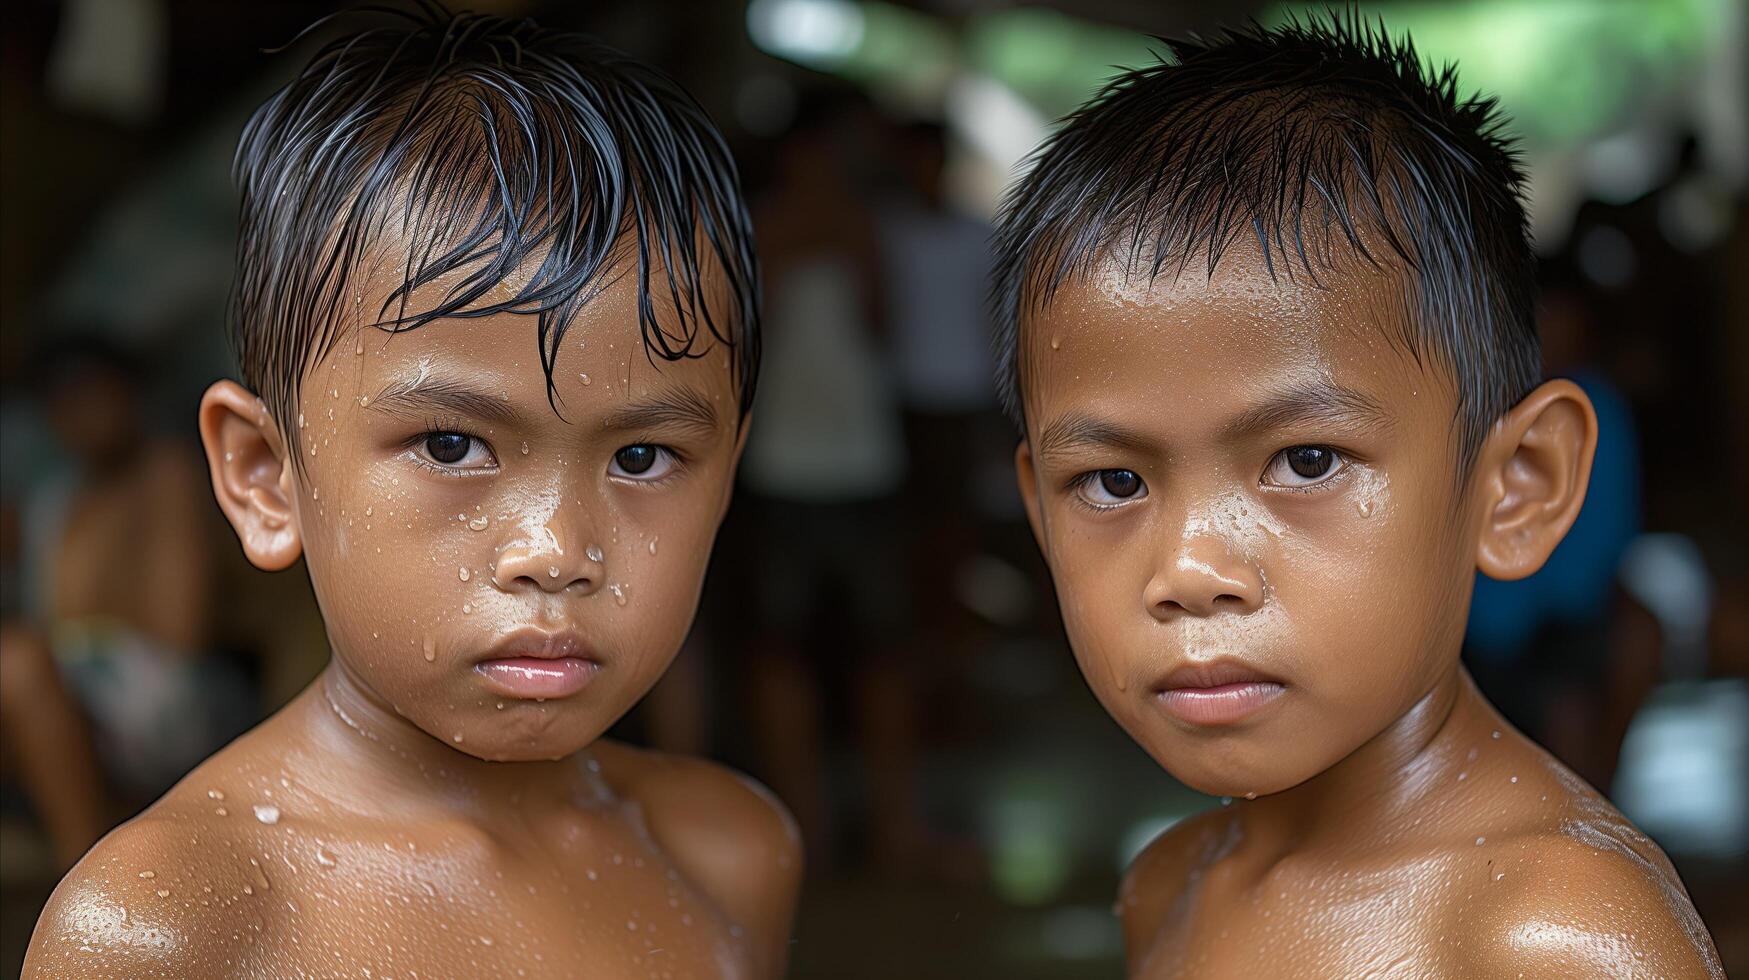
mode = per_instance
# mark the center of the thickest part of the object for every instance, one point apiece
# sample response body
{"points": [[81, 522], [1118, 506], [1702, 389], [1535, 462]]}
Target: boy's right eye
{"points": [[457, 450], [1111, 488]]}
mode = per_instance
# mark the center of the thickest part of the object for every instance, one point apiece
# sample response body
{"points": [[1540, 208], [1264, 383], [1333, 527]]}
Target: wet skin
{"points": [[1247, 494], [499, 585]]}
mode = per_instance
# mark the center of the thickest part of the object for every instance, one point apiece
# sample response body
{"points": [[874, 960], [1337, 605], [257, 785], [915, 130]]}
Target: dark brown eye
{"points": [[1310, 462], [1302, 467], [636, 460], [1121, 484], [448, 447]]}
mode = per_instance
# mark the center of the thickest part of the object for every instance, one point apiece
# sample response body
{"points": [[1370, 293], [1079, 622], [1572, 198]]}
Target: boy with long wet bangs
{"points": [[497, 318], [1268, 331]]}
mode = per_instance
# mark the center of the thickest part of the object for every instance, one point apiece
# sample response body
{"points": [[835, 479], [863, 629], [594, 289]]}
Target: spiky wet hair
{"points": [[1312, 140], [487, 146]]}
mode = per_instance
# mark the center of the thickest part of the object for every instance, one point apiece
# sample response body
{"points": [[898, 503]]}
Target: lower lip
{"points": [[533, 677], [1227, 704]]}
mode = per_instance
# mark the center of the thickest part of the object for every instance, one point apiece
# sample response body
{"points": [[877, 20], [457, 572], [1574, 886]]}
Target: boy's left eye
{"points": [[641, 462], [1303, 466]]}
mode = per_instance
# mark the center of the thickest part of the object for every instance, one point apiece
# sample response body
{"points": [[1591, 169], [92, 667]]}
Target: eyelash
{"points": [[1344, 459], [410, 449], [674, 471], [1082, 481]]}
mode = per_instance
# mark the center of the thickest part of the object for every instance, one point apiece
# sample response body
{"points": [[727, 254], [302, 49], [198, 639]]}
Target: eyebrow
{"points": [[1319, 403], [1075, 430], [678, 408], [427, 394]]}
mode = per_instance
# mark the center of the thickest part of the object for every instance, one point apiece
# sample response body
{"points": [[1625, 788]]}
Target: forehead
{"points": [[602, 355], [1188, 337]]}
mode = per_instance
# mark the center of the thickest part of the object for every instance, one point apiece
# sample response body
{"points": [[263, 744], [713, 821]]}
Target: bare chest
{"points": [[618, 909]]}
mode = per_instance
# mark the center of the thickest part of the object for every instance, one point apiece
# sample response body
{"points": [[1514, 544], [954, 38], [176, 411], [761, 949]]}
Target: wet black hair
{"points": [[488, 145], [1321, 140]]}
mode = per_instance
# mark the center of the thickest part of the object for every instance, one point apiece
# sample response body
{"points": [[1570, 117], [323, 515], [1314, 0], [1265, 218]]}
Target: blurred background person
{"points": [[106, 658], [823, 469]]}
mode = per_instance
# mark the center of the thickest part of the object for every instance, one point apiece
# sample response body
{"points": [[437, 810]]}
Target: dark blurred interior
{"points": [[878, 641]]}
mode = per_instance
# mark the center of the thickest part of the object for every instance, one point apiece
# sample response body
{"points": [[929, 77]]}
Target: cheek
{"points": [[1373, 580]]}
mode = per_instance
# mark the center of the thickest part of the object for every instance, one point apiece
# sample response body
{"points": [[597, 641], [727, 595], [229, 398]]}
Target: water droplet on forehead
{"points": [[215, 794]]}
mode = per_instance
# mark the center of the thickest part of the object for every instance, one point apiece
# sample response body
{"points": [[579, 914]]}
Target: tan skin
{"points": [[401, 815], [1385, 820]]}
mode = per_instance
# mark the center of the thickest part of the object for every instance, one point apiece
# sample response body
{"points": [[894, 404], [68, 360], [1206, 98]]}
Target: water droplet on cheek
{"points": [[1365, 508], [462, 573], [478, 523], [525, 449], [1056, 343], [467, 608], [267, 814], [430, 650], [583, 378], [652, 546], [456, 738], [594, 553]]}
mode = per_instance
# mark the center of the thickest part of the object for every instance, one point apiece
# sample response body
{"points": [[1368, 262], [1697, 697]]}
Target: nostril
{"points": [[1228, 599]]}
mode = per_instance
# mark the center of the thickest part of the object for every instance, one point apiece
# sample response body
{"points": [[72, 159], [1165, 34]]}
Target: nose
{"points": [[1201, 576], [548, 561]]}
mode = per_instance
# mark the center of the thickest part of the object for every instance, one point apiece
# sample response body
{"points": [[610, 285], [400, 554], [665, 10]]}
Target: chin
{"points": [[522, 750], [1227, 771]]}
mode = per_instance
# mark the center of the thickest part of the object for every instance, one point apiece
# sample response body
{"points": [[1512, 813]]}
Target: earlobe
{"points": [[1534, 469], [251, 478]]}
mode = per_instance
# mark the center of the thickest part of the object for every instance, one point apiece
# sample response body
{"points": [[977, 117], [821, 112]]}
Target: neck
{"points": [[1367, 795], [363, 741]]}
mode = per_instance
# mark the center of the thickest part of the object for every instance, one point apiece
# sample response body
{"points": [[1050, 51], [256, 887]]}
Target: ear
{"points": [[252, 479], [734, 466], [1028, 480], [1533, 470]]}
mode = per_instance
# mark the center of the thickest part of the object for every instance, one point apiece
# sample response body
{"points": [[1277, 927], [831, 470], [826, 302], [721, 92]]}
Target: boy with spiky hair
{"points": [[496, 312], [1267, 326]]}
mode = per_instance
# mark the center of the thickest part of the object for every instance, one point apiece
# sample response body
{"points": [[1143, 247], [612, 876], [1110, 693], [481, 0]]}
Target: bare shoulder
{"points": [[726, 832], [1162, 873], [1593, 898], [148, 900]]}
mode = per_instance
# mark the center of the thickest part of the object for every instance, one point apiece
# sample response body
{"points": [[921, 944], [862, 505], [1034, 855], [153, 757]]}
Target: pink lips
{"points": [[531, 664], [1224, 692]]}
